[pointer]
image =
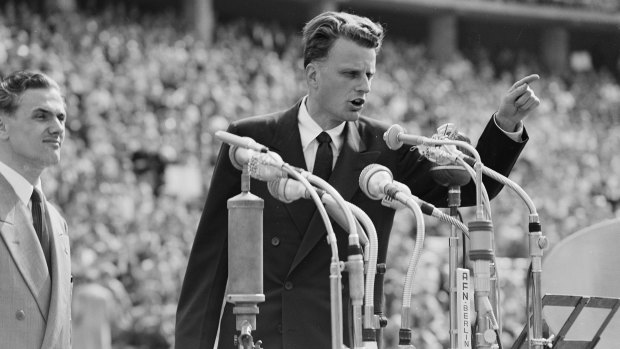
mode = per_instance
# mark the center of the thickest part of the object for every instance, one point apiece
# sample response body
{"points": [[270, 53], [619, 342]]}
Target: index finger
{"points": [[526, 80]]}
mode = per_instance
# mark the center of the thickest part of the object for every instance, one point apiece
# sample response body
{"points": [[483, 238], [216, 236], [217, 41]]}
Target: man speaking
{"points": [[325, 133]]}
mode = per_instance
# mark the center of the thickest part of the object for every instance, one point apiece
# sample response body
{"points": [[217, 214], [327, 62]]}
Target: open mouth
{"points": [[358, 102]]}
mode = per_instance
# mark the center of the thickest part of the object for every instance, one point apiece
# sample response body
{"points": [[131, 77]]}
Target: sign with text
{"points": [[463, 306]]}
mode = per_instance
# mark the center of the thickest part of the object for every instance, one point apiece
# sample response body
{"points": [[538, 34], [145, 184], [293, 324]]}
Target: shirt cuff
{"points": [[515, 135]]}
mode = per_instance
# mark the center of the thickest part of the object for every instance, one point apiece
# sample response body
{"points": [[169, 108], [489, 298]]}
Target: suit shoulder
{"points": [[372, 126], [250, 123]]}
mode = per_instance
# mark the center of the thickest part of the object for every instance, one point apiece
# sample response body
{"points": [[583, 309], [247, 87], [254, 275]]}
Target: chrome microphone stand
{"points": [[537, 244], [453, 177]]}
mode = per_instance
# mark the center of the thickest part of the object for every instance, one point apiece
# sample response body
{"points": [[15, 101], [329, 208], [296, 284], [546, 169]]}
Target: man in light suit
{"points": [[35, 266], [339, 59]]}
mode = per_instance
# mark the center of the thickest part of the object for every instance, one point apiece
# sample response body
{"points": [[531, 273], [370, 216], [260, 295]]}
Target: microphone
{"points": [[396, 136], [376, 181], [264, 166], [446, 171], [242, 142], [288, 190]]}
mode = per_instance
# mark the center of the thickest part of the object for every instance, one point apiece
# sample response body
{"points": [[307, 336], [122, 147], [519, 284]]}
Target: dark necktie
{"points": [[324, 157], [37, 221]]}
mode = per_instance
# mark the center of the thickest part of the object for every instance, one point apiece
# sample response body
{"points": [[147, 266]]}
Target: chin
{"points": [[51, 161], [352, 115], [355, 116]]}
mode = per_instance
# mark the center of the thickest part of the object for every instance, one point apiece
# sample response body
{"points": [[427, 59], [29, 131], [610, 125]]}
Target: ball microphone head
{"points": [[390, 137], [234, 154], [380, 176]]}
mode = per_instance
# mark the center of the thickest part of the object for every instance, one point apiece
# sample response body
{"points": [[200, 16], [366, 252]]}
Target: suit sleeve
{"points": [[497, 151], [204, 285]]}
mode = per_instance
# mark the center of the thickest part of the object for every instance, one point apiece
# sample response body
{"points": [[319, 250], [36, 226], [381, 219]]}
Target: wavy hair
{"points": [[13, 87], [320, 33]]}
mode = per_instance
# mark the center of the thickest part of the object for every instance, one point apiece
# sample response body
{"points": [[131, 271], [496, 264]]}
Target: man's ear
{"points": [[312, 75]]}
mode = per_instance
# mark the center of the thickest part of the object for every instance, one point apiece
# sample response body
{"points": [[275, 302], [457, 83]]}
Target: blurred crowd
{"points": [[597, 5], [145, 97]]}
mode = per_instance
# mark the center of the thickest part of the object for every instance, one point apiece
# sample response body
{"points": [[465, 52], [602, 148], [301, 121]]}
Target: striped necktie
{"points": [[37, 221]]}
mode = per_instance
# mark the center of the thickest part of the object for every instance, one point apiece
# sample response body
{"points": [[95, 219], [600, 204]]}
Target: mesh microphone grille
{"points": [[365, 176]]}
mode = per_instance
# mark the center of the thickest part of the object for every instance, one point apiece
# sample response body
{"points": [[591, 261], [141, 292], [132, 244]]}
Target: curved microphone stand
{"points": [[354, 264], [378, 189], [289, 190], [335, 275], [481, 233], [256, 161], [405, 332], [537, 243]]}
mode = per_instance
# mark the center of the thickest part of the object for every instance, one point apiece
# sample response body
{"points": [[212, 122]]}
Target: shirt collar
{"points": [[309, 129], [20, 185]]}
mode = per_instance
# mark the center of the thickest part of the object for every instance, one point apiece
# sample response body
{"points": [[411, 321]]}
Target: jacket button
{"points": [[275, 241], [20, 315], [280, 328], [288, 285]]}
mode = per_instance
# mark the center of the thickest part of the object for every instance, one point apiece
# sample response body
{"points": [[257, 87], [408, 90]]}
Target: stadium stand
{"points": [[140, 84]]}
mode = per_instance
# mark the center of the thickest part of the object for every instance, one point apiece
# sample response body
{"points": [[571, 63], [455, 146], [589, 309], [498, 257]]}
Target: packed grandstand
{"points": [[145, 97]]}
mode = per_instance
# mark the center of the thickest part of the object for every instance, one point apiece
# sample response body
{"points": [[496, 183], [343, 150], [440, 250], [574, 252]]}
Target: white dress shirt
{"points": [[309, 130]]}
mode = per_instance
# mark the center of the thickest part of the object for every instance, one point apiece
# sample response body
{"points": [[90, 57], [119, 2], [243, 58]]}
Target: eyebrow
{"points": [[47, 111]]}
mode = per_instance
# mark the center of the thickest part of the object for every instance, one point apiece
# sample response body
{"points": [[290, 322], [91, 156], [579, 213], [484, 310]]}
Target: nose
{"points": [[57, 127], [364, 84]]}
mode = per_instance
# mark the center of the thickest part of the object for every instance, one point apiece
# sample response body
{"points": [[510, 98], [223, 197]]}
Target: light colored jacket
{"points": [[35, 308]]}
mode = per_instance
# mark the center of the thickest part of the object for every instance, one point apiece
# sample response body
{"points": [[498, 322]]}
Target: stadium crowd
{"points": [[596, 5], [144, 99]]}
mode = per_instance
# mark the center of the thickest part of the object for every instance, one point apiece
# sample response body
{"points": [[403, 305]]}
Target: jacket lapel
{"points": [[352, 160], [287, 143], [61, 293], [23, 244]]}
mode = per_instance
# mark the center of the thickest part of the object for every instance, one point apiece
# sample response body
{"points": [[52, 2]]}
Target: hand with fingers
{"points": [[518, 102]]}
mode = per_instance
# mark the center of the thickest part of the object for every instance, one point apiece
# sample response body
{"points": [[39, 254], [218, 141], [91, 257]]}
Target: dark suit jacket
{"points": [[296, 312]]}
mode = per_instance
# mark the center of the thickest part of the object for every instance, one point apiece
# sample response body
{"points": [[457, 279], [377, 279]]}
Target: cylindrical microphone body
{"points": [[245, 253], [481, 236]]}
